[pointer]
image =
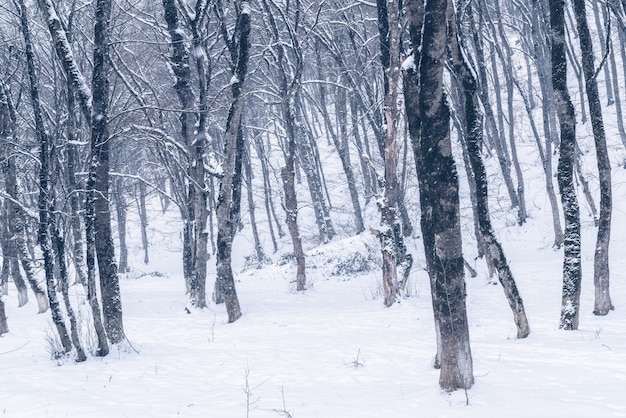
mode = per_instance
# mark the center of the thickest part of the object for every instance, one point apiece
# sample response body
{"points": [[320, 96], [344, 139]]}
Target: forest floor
{"points": [[334, 350]]}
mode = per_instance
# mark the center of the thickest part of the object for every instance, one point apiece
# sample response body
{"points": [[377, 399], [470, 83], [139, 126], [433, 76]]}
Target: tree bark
{"points": [[440, 170], [473, 119], [98, 183], [602, 304], [228, 202], [565, 110]]}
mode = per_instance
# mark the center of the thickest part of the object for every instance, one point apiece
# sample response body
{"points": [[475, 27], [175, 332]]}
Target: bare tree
{"points": [[228, 202], [567, 121], [601, 256]]}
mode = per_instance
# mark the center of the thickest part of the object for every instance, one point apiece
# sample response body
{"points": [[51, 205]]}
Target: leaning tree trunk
{"points": [[228, 202], [473, 119], [16, 214], [441, 177], [601, 259], [567, 120]]}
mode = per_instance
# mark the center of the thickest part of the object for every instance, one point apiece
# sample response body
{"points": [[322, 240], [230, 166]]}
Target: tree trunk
{"points": [[390, 235], [228, 202], [120, 209], [473, 119], [601, 259], [542, 61], [59, 245], [74, 190], [415, 15], [143, 221], [258, 248], [567, 121], [84, 95], [98, 183], [441, 177], [195, 235]]}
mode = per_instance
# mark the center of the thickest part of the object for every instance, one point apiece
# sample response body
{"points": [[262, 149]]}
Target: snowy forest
{"points": [[312, 208]]}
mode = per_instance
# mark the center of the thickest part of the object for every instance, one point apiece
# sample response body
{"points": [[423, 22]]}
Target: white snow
{"points": [[334, 350]]}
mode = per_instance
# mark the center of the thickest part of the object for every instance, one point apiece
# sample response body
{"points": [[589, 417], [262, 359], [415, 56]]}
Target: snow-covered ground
{"points": [[334, 350]]}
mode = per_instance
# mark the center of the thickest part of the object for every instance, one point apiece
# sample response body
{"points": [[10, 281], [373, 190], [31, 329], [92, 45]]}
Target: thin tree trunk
{"points": [[143, 221], [603, 303], [474, 122], [59, 245], [120, 210], [542, 59], [228, 206], [258, 248]]}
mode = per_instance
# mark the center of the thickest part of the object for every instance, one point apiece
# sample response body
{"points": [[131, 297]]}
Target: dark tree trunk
{"points": [[195, 235], [474, 122], [567, 121], [415, 15], [98, 183], [602, 304], [84, 95], [440, 175], [229, 200]]}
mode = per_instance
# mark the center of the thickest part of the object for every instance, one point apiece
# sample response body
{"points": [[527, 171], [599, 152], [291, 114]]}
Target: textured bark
{"points": [[84, 95], [228, 202], [474, 134], [391, 236], [98, 182], [415, 15], [602, 304], [66, 57], [495, 130], [195, 235], [440, 173], [565, 110]]}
